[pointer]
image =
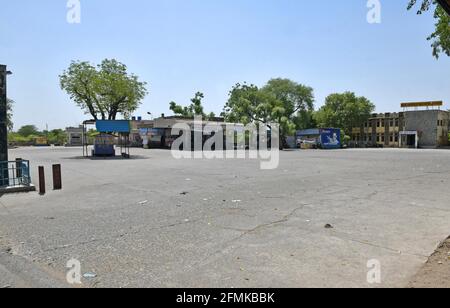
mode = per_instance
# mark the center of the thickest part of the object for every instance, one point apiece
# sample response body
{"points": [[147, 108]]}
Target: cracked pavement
{"points": [[385, 204]]}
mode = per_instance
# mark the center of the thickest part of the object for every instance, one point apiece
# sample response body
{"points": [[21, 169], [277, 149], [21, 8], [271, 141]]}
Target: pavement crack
{"points": [[284, 219], [345, 238]]}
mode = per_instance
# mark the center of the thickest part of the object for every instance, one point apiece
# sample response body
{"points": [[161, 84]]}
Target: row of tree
{"points": [[108, 90], [26, 135], [287, 103]]}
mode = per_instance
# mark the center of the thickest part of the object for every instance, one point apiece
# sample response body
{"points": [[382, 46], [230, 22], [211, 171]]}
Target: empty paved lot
{"points": [[227, 223]]}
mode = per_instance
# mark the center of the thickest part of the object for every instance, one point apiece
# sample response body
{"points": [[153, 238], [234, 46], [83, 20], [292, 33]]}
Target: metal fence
{"points": [[15, 173]]}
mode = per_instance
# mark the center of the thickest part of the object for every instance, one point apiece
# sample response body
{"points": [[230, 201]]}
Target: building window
{"points": [[391, 123], [391, 138]]}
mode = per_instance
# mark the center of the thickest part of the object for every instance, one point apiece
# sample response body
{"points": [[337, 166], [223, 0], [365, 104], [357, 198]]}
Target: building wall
{"points": [[381, 129], [74, 136], [443, 128], [432, 126]]}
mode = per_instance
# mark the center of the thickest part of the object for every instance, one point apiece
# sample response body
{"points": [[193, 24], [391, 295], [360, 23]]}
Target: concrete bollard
{"points": [[57, 179], [18, 168], [41, 181]]}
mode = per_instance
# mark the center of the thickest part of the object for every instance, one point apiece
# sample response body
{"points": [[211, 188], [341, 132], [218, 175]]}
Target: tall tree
{"points": [[104, 91], [57, 136], [344, 111], [28, 130], [440, 39], [305, 120], [9, 114], [194, 109], [279, 101], [248, 104], [292, 99]]}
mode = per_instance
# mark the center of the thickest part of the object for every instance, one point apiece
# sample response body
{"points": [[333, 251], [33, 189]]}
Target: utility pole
{"points": [[4, 178]]}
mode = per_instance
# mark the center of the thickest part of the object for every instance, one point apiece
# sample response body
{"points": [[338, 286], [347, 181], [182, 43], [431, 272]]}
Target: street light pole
{"points": [[4, 178]]}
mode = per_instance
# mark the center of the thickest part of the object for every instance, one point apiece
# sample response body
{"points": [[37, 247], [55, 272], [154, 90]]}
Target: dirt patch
{"points": [[436, 272]]}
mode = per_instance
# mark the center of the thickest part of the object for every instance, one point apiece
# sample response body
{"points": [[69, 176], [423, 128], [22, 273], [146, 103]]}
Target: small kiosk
{"points": [[110, 134]]}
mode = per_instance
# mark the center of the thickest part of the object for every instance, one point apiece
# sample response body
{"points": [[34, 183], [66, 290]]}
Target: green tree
{"points": [[440, 39], [104, 91], [280, 101], [344, 111], [292, 100], [305, 120], [28, 130], [248, 104], [194, 109], [57, 136], [9, 114]]}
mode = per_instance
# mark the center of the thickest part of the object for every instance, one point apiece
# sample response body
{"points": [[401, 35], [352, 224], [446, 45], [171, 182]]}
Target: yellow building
{"points": [[381, 129], [426, 128]]}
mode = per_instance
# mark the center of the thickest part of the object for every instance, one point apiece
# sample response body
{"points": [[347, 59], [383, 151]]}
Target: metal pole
{"points": [[4, 177]]}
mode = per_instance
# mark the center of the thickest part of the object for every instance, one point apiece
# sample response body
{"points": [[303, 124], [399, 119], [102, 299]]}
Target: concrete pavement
{"points": [[158, 222]]}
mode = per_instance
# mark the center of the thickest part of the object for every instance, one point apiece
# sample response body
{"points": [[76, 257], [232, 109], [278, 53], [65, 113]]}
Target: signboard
{"points": [[104, 145], [116, 126], [422, 104], [330, 138]]}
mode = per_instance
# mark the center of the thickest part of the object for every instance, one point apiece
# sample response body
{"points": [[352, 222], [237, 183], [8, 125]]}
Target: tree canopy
{"points": [[57, 136], [440, 39], [194, 109], [280, 101], [28, 130], [345, 111], [104, 91]]}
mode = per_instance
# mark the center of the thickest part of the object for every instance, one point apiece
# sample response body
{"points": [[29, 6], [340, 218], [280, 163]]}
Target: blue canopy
{"points": [[115, 126]]}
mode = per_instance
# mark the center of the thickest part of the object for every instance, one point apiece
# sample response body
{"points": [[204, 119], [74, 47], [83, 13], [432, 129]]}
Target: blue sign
{"points": [[117, 126], [330, 138]]}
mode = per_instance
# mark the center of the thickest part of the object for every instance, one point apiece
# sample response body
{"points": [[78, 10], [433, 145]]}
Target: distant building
{"points": [[137, 125], [411, 128], [160, 134], [74, 136]]}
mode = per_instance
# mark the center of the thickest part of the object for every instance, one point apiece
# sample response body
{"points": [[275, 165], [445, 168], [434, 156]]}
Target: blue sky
{"points": [[183, 46]]}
